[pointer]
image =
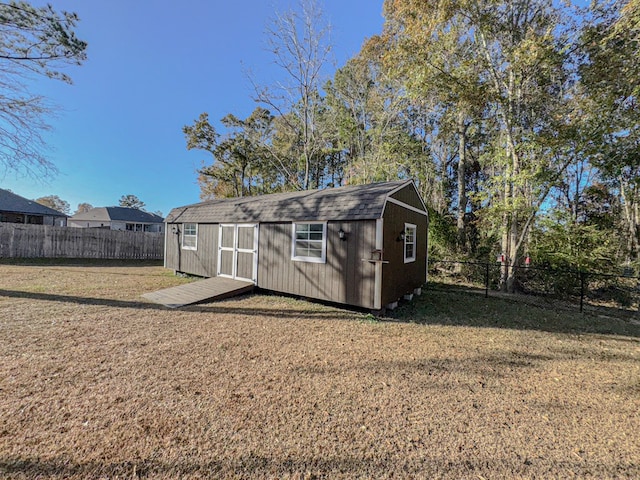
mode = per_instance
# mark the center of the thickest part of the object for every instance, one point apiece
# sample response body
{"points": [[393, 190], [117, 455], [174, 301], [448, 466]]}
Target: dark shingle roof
{"points": [[10, 202], [122, 214], [353, 202]]}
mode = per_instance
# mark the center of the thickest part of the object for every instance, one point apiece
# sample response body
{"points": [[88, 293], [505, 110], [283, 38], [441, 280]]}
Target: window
{"points": [[190, 236], [309, 242], [409, 242]]}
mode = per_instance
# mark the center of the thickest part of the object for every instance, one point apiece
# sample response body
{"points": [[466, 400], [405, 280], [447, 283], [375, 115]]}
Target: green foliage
{"points": [[39, 39], [442, 235], [501, 112], [611, 78], [243, 163], [55, 202], [560, 243], [131, 201]]}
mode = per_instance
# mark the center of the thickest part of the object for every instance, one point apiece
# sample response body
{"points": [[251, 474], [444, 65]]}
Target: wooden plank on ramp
{"points": [[214, 288]]}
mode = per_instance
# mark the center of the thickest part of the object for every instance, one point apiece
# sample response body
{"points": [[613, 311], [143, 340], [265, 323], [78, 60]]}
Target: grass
{"points": [[447, 304], [95, 382]]}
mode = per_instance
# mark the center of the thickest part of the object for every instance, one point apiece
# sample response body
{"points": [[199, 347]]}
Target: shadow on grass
{"points": [[361, 466], [221, 309], [442, 304], [81, 262]]}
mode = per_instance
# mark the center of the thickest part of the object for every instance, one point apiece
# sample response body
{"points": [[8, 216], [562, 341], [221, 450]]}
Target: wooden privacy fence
{"points": [[44, 241]]}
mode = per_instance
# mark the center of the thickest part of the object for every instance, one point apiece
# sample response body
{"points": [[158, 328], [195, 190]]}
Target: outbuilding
{"points": [[361, 245]]}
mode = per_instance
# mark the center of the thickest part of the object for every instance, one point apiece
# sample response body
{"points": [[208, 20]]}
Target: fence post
{"points": [[582, 282], [486, 280]]}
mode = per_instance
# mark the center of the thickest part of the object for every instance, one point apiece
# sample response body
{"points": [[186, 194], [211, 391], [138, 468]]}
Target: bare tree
{"points": [[83, 208], [299, 43], [34, 41]]}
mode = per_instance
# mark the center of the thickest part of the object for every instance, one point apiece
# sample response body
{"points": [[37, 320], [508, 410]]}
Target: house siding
{"points": [[116, 225], [344, 278], [201, 262], [399, 278], [348, 275], [409, 196]]}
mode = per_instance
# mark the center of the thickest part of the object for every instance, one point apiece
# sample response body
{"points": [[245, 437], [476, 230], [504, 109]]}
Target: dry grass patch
{"points": [[96, 382]]}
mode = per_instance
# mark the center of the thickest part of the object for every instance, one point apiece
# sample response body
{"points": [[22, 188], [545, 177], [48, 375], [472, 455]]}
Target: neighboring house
{"points": [[358, 245], [118, 218], [17, 209]]}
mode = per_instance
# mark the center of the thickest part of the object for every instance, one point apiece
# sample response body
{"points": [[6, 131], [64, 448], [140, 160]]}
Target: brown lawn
{"points": [[95, 382]]}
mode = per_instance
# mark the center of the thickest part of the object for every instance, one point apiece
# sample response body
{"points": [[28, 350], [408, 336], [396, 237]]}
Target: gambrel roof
{"points": [[352, 202], [10, 202], [122, 214]]}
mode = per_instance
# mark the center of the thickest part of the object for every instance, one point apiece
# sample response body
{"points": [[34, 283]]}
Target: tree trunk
{"points": [[504, 246], [462, 186], [513, 253], [630, 204]]}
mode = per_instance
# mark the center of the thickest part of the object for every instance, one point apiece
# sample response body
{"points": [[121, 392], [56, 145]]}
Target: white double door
{"points": [[238, 251]]}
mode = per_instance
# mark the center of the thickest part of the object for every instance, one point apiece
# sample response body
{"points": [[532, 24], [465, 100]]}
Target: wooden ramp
{"points": [[214, 288]]}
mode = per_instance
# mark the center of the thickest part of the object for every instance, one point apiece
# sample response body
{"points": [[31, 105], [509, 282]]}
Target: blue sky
{"points": [[153, 67]]}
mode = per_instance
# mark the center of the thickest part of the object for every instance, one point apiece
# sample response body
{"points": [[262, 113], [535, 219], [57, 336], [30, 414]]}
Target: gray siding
{"points": [[226, 262], [200, 262], [344, 278], [245, 265]]}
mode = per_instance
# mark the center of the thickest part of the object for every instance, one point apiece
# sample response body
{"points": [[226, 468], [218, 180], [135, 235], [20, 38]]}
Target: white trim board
{"points": [[404, 205]]}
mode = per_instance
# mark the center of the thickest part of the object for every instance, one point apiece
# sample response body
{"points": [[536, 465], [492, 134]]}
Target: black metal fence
{"points": [[580, 287]]}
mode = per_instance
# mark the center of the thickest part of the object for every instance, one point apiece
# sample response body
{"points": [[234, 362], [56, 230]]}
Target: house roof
{"points": [[10, 202], [122, 214], [352, 202]]}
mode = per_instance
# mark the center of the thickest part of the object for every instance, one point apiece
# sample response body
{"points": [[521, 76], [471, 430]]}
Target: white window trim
{"points": [[415, 234], [187, 247], [323, 257]]}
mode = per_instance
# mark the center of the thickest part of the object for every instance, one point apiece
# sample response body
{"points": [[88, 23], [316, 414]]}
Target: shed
{"points": [[361, 245]]}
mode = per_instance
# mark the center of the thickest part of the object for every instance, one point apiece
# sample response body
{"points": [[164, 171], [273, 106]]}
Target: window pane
{"points": [[189, 241], [309, 241], [410, 234], [189, 228], [410, 243], [409, 251]]}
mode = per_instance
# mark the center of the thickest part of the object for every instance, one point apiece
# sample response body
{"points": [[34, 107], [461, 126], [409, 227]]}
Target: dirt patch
{"points": [[96, 382]]}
